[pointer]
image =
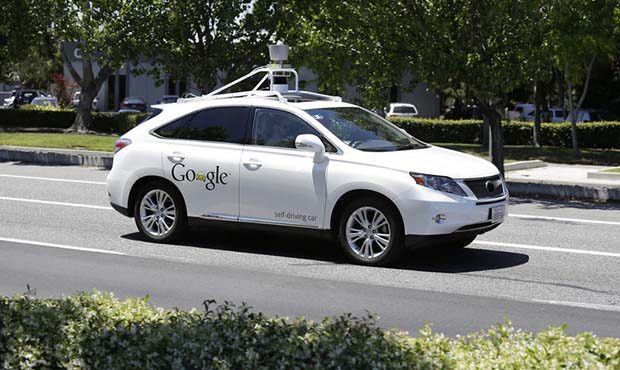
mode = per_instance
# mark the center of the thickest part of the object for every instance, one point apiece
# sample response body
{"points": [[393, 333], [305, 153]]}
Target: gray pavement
{"points": [[565, 181], [551, 262]]}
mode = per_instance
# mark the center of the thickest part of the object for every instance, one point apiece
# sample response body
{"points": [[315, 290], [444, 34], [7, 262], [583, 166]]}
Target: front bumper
{"points": [[469, 231], [122, 210]]}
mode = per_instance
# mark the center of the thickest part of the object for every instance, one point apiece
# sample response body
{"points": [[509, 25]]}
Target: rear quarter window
{"points": [[224, 124]]}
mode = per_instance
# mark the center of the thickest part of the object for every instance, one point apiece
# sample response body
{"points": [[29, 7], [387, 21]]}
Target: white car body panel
{"points": [[289, 188]]}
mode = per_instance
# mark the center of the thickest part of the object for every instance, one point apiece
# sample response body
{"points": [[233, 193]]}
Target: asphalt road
{"points": [[550, 263]]}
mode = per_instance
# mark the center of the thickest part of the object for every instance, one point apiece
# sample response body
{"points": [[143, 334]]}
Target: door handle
{"points": [[176, 157], [252, 164]]}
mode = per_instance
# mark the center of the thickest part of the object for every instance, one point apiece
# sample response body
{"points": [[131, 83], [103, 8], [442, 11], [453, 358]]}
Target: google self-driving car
{"points": [[294, 159]]}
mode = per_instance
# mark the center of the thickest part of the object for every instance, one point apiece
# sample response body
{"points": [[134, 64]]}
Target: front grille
{"points": [[488, 187]]}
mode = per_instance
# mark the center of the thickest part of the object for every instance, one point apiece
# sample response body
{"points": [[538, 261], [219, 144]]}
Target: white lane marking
{"points": [[583, 221], [61, 246], [54, 179], [549, 249], [56, 203], [591, 306]]}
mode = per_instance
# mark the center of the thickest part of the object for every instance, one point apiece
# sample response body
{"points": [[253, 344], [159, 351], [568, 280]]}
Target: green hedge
{"points": [[102, 122], [95, 331], [590, 135]]}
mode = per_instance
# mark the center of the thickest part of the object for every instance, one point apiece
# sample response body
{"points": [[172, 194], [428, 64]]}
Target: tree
{"points": [[581, 32], [481, 46], [348, 43], [210, 41], [109, 33], [27, 54]]}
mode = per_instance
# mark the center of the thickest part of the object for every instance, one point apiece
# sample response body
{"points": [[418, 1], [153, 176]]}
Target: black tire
{"points": [[178, 227], [394, 248]]}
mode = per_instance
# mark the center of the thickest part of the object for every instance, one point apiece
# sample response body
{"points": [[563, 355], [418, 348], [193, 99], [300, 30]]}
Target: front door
{"points": [[203, 161], [280, 184]]}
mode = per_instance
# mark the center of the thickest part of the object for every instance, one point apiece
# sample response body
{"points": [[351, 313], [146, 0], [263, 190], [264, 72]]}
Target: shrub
{"points": [[96, 331], [118, 123], [591, 135]]}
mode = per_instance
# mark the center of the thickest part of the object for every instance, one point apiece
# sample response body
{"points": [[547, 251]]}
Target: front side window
{"points": [[278, 128], [227, 124], [363, 130]]}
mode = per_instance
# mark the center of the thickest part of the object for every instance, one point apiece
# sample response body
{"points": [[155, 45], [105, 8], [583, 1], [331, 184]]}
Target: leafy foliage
{"points": [[594, 134], [96, 331], [209, 41]]}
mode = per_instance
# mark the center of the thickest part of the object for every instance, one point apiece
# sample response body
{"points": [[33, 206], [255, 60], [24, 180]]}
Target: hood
{"points": [[434, 161]]}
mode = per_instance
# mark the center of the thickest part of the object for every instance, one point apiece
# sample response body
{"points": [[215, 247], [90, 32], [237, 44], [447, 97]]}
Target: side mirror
{"points": [[311, 143]]}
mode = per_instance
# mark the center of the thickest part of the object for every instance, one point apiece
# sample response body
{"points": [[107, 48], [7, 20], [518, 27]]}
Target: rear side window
{"points": [[404, 109], [173, 129], [229, 124]]}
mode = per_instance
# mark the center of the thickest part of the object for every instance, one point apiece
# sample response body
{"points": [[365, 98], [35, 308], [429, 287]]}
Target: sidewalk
{"points": [[58, 157], [565, 181], [530, 178]]}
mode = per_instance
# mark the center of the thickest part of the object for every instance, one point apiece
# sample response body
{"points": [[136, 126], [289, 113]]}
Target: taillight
{"points": [[120, 144]]}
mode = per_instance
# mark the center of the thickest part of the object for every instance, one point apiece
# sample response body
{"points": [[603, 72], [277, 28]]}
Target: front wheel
{"points": [[371, 232], [160, 213]]}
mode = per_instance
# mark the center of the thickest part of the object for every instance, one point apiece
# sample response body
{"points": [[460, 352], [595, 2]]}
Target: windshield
{"points": [[363, 130]]}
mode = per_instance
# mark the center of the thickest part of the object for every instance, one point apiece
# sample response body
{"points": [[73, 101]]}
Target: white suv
{"points": [[403, 110], [301, 160]]}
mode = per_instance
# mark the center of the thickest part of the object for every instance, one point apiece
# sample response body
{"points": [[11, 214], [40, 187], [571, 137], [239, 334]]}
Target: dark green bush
{"points": [[17, 118], [591, 135], [118, 123], [98, 332]]}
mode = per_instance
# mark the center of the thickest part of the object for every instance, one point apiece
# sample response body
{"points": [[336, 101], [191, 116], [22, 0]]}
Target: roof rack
{"points": [[277, 73]]}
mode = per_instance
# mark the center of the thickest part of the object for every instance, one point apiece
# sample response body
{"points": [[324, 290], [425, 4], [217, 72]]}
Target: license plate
{"points": [[498, 214]]}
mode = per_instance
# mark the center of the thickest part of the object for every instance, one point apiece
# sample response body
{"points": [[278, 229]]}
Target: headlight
{"points": [[441, 183]]}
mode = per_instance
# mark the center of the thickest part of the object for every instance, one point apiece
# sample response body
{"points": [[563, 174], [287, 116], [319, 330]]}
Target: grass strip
{"points": [[601, 157], [104, 143]]}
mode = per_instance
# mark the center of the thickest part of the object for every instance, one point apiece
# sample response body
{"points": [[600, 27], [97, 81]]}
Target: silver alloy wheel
{"points": [[368, 233], [157, 213]]}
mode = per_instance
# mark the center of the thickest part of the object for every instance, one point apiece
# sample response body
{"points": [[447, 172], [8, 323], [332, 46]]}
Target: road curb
{"points": [[601, 175], [524, 165], [59, 157], [564, 191]]}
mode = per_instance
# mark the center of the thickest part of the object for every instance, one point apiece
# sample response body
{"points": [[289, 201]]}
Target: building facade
{"points": [[124, 84]]}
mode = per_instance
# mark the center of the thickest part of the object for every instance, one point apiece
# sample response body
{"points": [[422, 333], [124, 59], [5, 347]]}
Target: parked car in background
{"points": [[45, 101], [76, 100], [167, 99], [554, 115], [24, 96], [4, 96], [133, 105], [401, 110], [591, 115], [521, 111], [8, 101]]}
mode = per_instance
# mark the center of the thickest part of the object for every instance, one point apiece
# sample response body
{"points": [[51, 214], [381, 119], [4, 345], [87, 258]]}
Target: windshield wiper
{"points": [[411, 146]]}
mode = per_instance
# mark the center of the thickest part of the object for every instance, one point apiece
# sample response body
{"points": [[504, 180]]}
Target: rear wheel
{"points": [[160, 213], [371, 231]]}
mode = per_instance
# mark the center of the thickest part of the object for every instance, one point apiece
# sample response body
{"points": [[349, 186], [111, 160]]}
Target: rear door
{"points": [[202, 159]]}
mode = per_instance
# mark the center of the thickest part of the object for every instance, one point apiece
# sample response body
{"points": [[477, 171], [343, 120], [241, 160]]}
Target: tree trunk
{"points": [[494, 119], [575, 110], [83, 119], [539, 96], [90, 86]]}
